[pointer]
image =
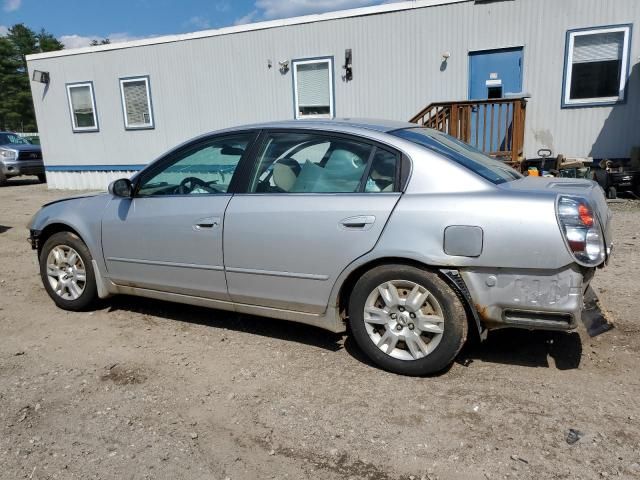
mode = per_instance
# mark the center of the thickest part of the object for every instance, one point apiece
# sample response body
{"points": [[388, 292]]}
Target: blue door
{"points": [[493, 74]]}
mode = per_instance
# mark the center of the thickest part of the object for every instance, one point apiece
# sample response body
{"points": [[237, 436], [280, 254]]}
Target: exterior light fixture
{"points": [[42, 77], [348, 69], [284, 66]]}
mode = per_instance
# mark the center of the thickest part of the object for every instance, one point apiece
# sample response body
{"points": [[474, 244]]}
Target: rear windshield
{"points": [[488, 168]]}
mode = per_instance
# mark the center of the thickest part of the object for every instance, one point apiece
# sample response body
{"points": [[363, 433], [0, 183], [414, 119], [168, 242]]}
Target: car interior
{"points": [[320, 165], [204, 171], [289, 163]]}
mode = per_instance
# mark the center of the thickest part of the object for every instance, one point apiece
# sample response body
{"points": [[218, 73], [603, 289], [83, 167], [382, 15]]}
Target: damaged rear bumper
{"points": [[532, 299]]}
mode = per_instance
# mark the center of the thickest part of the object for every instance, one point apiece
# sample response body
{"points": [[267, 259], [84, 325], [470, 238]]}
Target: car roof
{"points": [[346, 124]]}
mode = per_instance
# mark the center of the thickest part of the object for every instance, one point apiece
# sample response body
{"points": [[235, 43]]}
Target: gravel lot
{"points": [[147, 389]]}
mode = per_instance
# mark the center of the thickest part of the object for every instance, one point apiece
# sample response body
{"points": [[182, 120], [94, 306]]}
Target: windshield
{"points": [[12, 139], [488, 168]]}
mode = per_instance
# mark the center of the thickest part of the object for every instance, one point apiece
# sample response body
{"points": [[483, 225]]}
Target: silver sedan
{"points": [[407, 237]]}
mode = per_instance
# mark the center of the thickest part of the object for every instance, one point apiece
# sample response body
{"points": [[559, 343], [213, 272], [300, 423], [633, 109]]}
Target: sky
{"points": [[77, 22]]}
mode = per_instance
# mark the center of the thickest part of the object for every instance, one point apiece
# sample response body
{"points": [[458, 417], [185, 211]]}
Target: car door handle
{"points": [[207, 223], [360, 222]]}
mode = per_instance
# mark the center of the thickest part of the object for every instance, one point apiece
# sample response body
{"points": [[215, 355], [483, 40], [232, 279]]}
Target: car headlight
{"points": [[8, 154]]}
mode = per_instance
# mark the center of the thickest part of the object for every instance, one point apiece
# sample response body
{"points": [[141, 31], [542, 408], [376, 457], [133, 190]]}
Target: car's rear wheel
{"points": [[42, 177], [407, 320], [3, 179], [67, 271]]}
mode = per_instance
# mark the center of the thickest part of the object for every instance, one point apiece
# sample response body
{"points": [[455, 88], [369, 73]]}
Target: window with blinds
{"points": [[596, 66], [82, 107], [136, 103], [313, 88]]}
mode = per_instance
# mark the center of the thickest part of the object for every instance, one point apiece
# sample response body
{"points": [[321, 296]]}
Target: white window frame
{"points": [[571, 35], [295, 63], [75, 127], [145, 79]]}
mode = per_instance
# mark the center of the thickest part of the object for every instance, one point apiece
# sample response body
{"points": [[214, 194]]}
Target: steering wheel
{"points": [[189, 184]]}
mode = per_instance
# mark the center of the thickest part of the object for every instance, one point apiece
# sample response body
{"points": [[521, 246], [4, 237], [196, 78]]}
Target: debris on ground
{"points": [[573, 436]]}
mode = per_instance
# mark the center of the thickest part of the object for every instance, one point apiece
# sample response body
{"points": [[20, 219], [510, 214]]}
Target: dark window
{"points": [[203, 169], [461, 153], [596, 66], [382, 174], [494, 92], [299, 162]]}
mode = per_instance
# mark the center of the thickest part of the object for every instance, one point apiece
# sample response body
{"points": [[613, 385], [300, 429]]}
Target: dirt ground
{"points": [[147, 389]]}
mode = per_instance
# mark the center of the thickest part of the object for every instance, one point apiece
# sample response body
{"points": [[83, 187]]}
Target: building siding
{"points": [[209, 83]]}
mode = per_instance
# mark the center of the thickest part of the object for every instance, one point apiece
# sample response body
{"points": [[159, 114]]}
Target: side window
{"points": [[82, 105], [203, 169], [310, 163], [136, 103], [313, 88], [382, 174], [596, 67]]}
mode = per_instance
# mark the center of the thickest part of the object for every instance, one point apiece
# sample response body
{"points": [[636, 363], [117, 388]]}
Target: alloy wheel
{"points": [[66, 272], [404, 320]]}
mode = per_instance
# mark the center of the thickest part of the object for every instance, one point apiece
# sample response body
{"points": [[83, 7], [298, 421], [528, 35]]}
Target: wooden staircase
{"points": [[494, 126]]}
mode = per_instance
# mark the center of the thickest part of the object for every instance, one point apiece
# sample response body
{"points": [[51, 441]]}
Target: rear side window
{"points": [[382, 174], [488, 168], [299, 162]]}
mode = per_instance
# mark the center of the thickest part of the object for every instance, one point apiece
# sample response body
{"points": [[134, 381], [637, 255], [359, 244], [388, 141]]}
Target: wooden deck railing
{"points": [[495, 126]]}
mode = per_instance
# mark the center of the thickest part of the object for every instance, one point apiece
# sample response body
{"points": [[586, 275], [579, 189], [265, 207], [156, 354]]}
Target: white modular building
{"points": [[105, 112]]}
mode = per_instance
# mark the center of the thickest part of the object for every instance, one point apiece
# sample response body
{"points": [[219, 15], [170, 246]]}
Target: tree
{"points": [[16, 104]]}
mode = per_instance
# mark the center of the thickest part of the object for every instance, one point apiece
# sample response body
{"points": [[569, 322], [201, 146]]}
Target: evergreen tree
{"points": [[16, 105]]}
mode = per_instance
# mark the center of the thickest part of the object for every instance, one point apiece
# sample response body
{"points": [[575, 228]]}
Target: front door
{"points": [[168, 237], [315, 203], [493, 74]]}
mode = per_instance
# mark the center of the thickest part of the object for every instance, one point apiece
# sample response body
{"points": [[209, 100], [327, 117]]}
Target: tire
{"points": [[42, 178], [72, 293], [410, 326], [612, 193], [3, 179]]}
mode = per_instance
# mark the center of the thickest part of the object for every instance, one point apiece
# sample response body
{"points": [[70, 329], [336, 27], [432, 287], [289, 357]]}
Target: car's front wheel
{"points": [[67, 271], [407, 320]]}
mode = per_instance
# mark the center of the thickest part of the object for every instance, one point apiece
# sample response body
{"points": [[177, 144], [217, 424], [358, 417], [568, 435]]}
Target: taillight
{"points": [[581, 230]]}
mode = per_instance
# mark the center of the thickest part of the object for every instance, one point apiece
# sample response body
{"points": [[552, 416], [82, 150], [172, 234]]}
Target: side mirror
{"points": [[121, 188]]}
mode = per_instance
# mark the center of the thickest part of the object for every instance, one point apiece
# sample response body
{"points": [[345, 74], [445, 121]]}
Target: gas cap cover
{"points": [[463, 240]]}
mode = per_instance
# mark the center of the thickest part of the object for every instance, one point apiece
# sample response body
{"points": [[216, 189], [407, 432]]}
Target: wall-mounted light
{"points": [[42, 77], [269, 64], [348, 69], [284, 66], [445, 58]]}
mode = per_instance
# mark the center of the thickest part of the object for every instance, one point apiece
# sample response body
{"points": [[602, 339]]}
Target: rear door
{"points": [[314, 203]]}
